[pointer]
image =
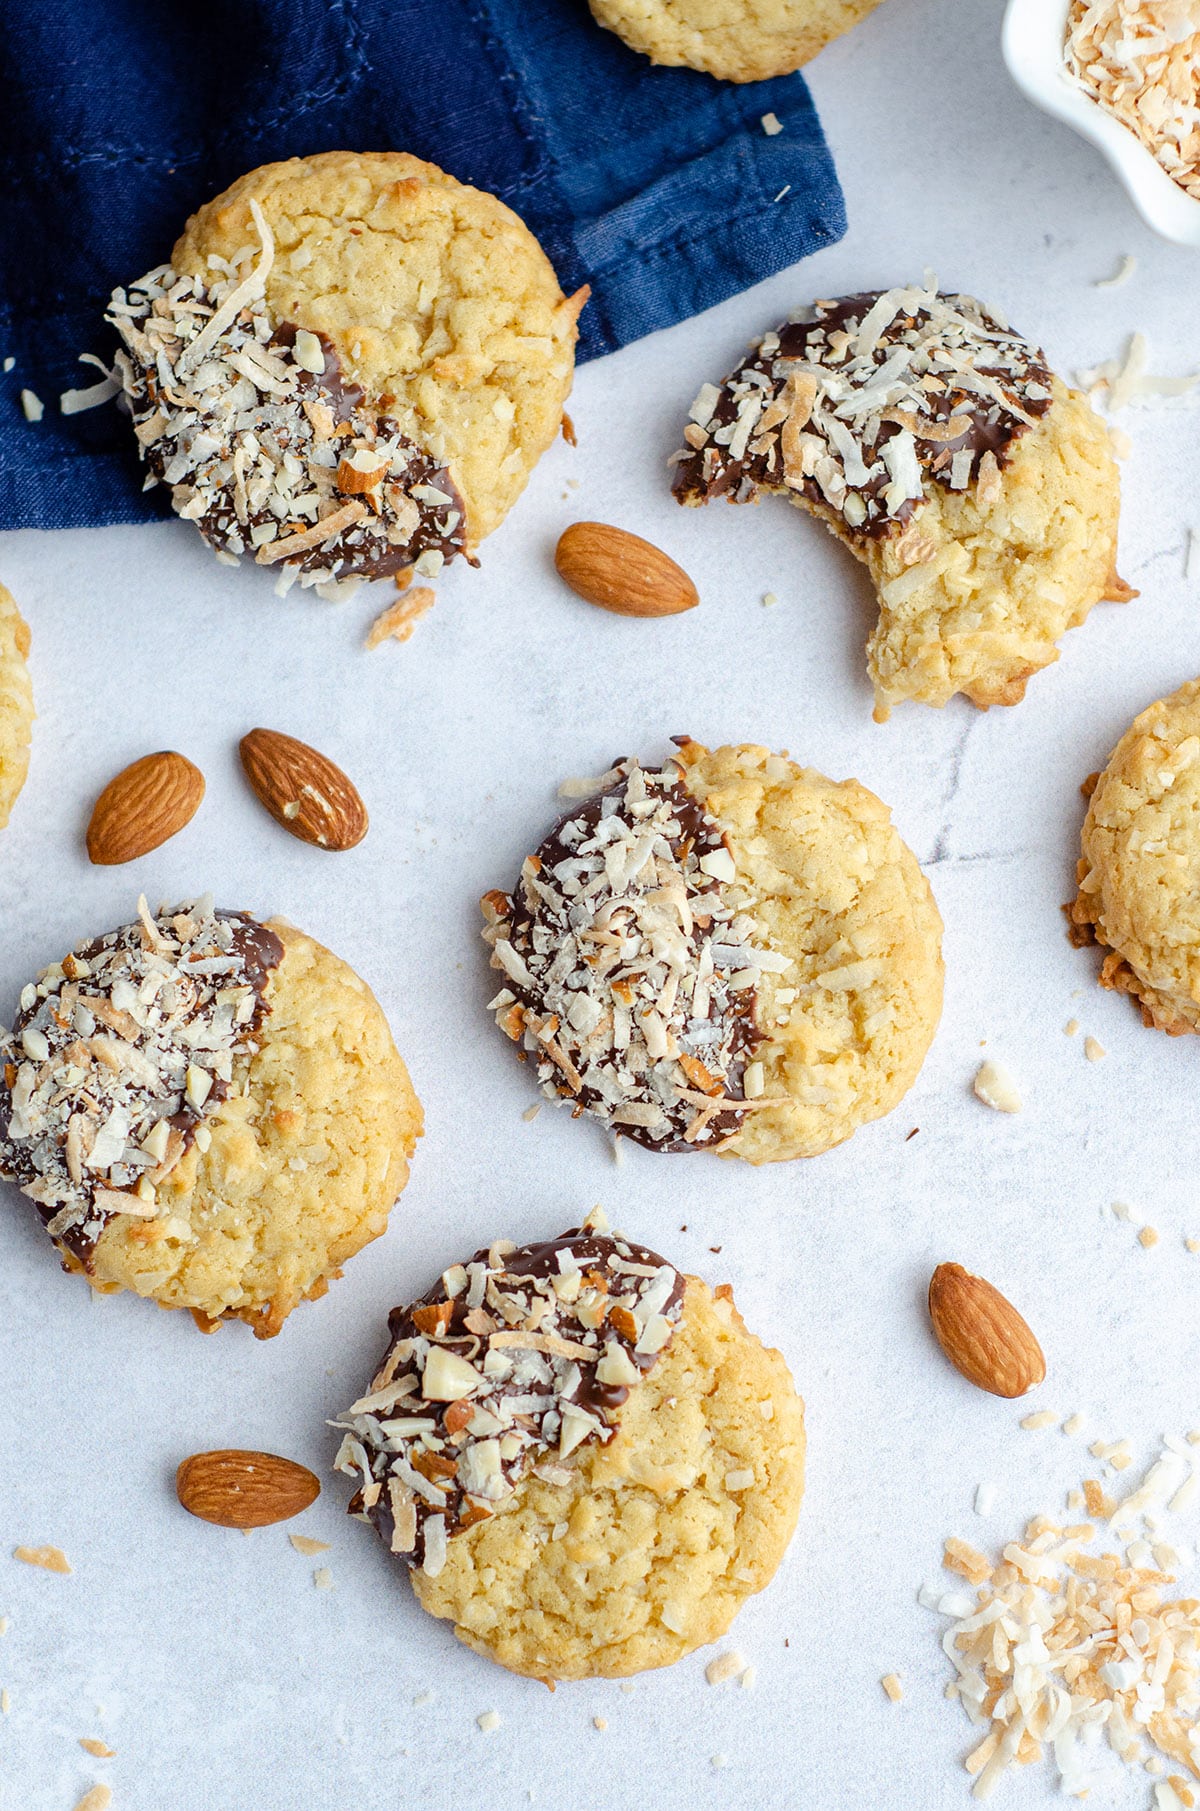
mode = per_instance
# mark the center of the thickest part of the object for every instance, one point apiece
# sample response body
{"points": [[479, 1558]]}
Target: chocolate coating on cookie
{"points": [[630, 973], [263, 440], [510, 1362], [119, 1054], [859, 404]]}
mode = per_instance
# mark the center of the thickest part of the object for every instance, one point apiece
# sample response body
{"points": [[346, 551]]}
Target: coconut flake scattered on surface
{"points": [[1125, 382], [1062, 1649]]}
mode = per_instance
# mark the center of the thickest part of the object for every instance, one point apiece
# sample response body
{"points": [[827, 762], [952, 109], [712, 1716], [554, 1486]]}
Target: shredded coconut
{"points": [[1140, 60], [1061, 1647]]}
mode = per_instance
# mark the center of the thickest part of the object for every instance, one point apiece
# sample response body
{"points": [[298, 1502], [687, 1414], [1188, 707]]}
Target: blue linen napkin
{"points": [[658, 187]]}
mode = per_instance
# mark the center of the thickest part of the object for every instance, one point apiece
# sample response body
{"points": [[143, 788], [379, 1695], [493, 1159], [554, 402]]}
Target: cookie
{"points": [[979, 491], [207, 1110], [349, 368], [1139, 874], [584, 1457], [16, 704], [738, 40], [729, 952]]}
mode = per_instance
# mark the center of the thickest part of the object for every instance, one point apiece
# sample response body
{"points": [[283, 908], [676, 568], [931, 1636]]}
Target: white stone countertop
{"points": [[206, 1659]]}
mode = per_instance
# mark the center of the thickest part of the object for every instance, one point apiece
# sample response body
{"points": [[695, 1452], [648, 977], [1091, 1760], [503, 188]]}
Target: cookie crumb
{"points": [[5, 1702], [531, 1113], [398, 621], [1039, 1419], [726, 1666], [771, 125], [985, 1499], [323, 1578], [93, 1745], [1073, 1425], [769, 597], [1071, 1028], [600, 1723], [1148, 1237], [32, 406], [892, 1686], [50, 1559], [9, 364], [488, 1720], [304, 1543], [98, 1799], [1193, 1244], [720, 1760], [995, 1087], [1093, 1049]]}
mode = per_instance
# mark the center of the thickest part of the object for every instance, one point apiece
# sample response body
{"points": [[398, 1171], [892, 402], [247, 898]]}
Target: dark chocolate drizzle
{"points": [[709, 471], [260, 952], [697, 833], [592, 1251]]}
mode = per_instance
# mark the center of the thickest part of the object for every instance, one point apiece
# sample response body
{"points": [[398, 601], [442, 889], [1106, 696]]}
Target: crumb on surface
{"points": [[892, 1687], [995, 1087], [50, 1559], [304, 1543], [1093, 1049], [488, 1720]]}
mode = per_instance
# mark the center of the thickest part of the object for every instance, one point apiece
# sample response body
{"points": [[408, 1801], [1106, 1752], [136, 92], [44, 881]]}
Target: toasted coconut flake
{"points": [[1060, 1643], [399, 620], [509, 1374], [1140, 60]]}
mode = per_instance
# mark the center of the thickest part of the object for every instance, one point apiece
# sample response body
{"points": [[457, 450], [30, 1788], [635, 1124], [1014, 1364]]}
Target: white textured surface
{"points": [[225, 1679]]}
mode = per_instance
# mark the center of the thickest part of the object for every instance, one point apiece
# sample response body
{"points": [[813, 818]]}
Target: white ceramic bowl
{"points": [[1033, 50]]}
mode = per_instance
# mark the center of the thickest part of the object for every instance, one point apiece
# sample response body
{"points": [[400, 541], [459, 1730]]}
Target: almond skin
{"points": [[303, 790], [622, 573], [244, 1490], [142, 807], [982, 1334]]}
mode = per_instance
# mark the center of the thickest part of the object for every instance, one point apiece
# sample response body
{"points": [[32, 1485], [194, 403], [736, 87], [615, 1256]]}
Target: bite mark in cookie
{"points": [[861, 403], [119, 1054], [981, 494], [262, 439], [512, 1362], [630, 978]]}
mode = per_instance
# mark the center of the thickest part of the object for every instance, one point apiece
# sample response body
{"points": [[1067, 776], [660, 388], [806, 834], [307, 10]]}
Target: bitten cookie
{"points": [[16, 704], [584, 1457], [727, 953], [1139, 874], [738, 40], [207, 1110], [350, 367], [979, 491]]}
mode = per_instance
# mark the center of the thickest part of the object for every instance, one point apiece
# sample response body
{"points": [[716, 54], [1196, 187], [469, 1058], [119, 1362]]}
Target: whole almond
{"points": [[982, 1334], [621, 572], [244, 1490], [142, 807], [303, 790]]}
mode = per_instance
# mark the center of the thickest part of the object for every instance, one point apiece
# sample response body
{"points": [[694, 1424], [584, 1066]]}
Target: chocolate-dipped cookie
{"points": [[728, 952], [934, 441], [583, 1456], [349, 367], [208, 1110]]}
